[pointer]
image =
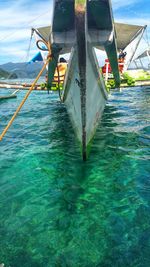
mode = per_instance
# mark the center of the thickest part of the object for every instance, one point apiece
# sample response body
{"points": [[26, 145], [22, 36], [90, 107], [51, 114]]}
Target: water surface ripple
{"points": [[57, 211]]}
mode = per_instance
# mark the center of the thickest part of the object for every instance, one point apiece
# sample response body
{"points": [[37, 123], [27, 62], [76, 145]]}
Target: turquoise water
{"points": [[59, 211]]}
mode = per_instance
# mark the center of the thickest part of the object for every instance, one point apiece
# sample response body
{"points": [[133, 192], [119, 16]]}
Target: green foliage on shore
{"points": [[139, 75], [111, 83], [3, 73], [144, 77], [125, 79], [54, 86], [128, 79]]}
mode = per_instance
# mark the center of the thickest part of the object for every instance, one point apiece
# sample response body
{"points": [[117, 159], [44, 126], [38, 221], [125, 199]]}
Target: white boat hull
{"points": [[79, 26], [85, 93], [84, 117]]}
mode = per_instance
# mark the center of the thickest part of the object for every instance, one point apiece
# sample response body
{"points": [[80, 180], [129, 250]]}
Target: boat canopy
{"points": [[44, 32], [125, 33], [144, 54]]}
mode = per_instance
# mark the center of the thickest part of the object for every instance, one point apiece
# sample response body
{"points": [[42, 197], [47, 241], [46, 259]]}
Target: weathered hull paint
{"points": [[72, 97], [95, 95], [85, 93], [79, 25]]}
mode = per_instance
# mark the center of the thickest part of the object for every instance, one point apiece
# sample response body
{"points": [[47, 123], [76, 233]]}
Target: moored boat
{"points": [[78, 27], [128, 40]]}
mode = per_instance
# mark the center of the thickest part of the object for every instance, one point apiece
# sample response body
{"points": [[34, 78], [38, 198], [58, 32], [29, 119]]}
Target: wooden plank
{"points": [[7, 97]]}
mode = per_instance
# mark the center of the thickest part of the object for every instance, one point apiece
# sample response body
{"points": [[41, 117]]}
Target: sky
{"points": [[17, 17]]}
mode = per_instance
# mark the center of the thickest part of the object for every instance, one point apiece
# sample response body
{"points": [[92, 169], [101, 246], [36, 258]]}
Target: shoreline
{"points": [[25, 86], [137, 84]]}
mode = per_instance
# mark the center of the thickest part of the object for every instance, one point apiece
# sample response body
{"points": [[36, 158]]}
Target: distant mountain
{"points": [[5, 74], [23, 70]]}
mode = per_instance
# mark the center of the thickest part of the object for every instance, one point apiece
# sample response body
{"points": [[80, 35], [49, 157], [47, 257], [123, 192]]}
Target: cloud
{"points": [[20, 17], [17, 52], [118, 4], [130, 12], [134, 20], [17, 19]]}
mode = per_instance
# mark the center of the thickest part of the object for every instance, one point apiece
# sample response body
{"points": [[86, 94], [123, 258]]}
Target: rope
{"points": [[26, 96], [59, 84], [29, 47]]}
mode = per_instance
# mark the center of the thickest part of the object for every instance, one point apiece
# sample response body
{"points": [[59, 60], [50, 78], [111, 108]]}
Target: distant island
{"points": [[20, 70], [7, 75]]}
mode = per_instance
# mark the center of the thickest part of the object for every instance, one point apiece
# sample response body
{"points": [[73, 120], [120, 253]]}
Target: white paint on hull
{"points": [[96, 96], [72, 98]]}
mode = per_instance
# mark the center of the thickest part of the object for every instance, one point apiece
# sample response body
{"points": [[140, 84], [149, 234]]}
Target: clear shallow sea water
{"points": [[55, 209]]}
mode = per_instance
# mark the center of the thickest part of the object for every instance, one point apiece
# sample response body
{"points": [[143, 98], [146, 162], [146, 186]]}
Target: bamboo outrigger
{"points": [[7, 97], [13, 95]]}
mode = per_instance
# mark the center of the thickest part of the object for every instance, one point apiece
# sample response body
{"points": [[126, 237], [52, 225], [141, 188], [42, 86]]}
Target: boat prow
{"points": [[78, 27], [85, 92]]}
